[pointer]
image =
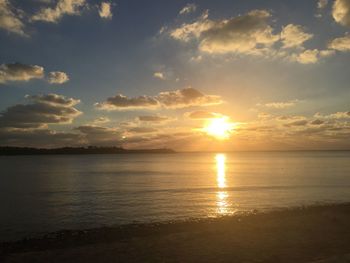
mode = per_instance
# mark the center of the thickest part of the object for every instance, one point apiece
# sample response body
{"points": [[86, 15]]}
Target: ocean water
{"points": [[40, 194]]}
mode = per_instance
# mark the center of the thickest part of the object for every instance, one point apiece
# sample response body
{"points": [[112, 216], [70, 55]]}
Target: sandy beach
{"points": [[306, 234]]}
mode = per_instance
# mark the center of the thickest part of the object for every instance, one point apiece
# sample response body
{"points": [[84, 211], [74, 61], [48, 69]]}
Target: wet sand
{"points": [[309, 234]]}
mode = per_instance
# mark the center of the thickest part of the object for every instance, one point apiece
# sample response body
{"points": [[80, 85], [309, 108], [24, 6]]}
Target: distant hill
{"points": [[77, 150]]}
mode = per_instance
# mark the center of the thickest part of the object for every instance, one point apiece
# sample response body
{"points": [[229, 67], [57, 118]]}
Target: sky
{"points": [[155, 74]]}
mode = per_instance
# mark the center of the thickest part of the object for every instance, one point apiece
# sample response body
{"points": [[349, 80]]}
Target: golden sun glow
{"points": [[220, 128]]}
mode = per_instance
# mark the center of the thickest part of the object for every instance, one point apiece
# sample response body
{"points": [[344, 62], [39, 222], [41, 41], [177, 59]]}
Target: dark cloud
{"points": [[120, 102], [175, 140], [38, 138], [142, 130], [44, 110], [297, 123], [186, 97], [153, 118], [20, 72], [317, 122], [169, 99], [243, 34], [100, 136], [54, 99]]}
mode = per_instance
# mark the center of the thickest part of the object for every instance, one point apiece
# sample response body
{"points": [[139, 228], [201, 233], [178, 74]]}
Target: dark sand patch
{"points": [[312, 234]]}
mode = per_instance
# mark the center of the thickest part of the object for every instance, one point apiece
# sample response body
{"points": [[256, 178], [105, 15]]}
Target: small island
{"points": [[6, 150]]}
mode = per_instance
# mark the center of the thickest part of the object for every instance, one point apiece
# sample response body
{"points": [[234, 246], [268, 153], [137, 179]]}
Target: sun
{"points": [[220, 128]]}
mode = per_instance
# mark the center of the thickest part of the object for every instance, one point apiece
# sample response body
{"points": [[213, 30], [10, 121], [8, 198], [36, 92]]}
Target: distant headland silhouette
{"points": [[8, 150]]}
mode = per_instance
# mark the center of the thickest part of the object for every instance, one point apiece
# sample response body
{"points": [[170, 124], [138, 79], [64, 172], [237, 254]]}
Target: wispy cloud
{"points": [[321, 4], [159, 75], [62, 7], [337, 115], [105, 10], [202, 115], [280, 104], [57, 77], [153, 118], [189, 8]]}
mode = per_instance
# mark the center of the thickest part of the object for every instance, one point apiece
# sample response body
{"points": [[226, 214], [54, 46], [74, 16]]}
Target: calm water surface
{"points": [[48, 193]]}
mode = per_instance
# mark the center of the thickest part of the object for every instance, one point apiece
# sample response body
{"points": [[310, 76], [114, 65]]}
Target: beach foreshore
{"points": [[305, 234]]}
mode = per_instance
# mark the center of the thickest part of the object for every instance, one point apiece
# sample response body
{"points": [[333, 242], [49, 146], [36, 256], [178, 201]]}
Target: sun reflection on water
{"points": [[221, 170], [222, 195]]}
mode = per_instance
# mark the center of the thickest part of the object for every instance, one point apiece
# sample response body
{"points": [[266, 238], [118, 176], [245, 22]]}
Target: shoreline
{"points": [[300, 234]]}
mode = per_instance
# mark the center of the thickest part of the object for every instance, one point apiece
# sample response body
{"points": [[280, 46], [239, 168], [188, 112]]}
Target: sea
{"points": [[42, 194]]}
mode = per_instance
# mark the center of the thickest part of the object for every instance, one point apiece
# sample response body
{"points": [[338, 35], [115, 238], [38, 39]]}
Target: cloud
{"points": [[280, 105], [194, 30], [186, 97], [308, 56], [189, 8], [153, 118], [57, 77], [169, 99], [294, 36], [63, 7], [142, 130], [10, 19], [340, 44], [296, 123], [317, 122], [293, 132], [101, 120], [44, 110], [201, 115], [54, 99], [159, 75], [341, 12], [121, 102], [165, 138], [105, 10], [246, 34], [337, 115], [38, 138], [20, 72], [95, 130], [290, 118], [99, 135], [311, 56], [321, 4]]}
